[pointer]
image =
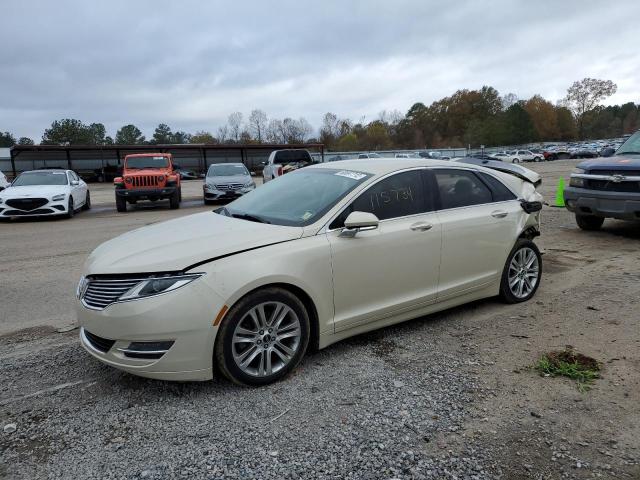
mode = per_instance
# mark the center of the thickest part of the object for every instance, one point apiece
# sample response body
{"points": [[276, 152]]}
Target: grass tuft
{"points": [[568, 363]]}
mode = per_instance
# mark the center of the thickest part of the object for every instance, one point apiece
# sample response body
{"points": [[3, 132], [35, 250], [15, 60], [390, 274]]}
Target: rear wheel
{"points": [[537, 159], [589, 222], [522, 272], [121, 204], [516, 160], [87, 202], [263, 337]]}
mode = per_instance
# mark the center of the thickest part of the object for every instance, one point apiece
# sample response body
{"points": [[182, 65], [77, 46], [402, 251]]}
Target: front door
{"points": [[393, 268]]}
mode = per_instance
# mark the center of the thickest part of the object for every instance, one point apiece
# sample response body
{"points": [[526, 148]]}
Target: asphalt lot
{"points": [[450, 395]]}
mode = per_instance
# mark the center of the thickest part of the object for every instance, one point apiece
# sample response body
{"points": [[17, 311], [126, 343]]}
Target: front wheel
{"points": [[263, 337], [537, 159], [522, 272], [174, 200], [87, 202], [71, 208], [589, 222], [515, 160], [121, 204]]}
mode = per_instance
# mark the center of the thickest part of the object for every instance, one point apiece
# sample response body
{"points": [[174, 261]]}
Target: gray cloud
{"points": [[191, 63]]}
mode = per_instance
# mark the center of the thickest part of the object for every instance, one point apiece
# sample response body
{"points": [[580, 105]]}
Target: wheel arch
{"points": [[307, 301]]}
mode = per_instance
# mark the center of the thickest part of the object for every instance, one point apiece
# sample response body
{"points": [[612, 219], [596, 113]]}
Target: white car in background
{"points": [[313, 257], [4, 183], [519, 156], [44, 193]]}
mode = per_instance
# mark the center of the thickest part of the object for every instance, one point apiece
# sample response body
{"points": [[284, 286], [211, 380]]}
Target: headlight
{"points": [[158, 285], [249, 184], [57, 198], [576, 182]]}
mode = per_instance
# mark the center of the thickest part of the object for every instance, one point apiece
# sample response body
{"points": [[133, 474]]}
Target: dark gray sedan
{"points": [[226, 181]]}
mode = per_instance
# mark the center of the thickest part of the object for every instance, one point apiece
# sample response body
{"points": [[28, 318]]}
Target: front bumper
{"points": [[212, 193], [620, 205], [50, 209], [184, 316], [146, 193]]}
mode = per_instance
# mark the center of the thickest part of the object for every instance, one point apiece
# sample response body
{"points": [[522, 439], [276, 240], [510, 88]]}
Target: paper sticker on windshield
{"points": [[307, 215], [349, 174], [58, 173], [158, 158]]}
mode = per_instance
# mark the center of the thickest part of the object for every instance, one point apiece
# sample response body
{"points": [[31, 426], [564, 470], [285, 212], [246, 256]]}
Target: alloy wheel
{"points": [[266, 339], [524, 272]]}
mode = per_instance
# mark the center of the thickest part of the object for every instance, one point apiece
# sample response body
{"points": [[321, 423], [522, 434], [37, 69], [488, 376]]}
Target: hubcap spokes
{"points": [[524, 271], [266, 339]]}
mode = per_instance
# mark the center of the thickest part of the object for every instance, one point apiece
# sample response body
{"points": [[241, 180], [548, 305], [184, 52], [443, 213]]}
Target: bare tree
{"points": [[235, 125], [585, 95], [508, 100], [258, 124], [274, 131], [223, 134]]}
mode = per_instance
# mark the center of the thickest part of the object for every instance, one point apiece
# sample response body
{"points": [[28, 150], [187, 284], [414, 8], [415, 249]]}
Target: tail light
{"points": [[280, 169]]}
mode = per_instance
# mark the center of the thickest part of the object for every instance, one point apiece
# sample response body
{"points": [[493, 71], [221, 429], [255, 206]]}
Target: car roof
{"points": [[47, 170], [226, 163], [381, 166]]}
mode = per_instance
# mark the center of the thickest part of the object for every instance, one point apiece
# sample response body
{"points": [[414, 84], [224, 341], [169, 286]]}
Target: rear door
{"points": [[477, 213], [393, 268]]}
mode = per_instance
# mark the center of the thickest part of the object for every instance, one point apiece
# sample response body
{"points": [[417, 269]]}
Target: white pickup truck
{"points": [[283, 161]]}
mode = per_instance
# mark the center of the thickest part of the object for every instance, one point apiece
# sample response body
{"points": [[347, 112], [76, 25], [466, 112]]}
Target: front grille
{"points": [[101, 293], [101, 344], [27, 204], [608, 186], [626, 173], [146, 181], [17, 213], [229, 186]]}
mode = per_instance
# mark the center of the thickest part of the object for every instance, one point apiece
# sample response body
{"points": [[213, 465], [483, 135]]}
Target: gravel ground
{"points": [[446, 396]]}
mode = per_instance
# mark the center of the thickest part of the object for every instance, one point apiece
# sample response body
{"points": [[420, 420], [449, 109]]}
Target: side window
{"points": [[399, 195], [461, 188], [500, 192]]}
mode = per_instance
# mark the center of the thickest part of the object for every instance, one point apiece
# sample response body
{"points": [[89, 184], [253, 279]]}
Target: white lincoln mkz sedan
{"points": [[315, 256]]}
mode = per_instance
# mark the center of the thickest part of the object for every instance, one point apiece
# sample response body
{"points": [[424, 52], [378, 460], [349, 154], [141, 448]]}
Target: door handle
{"points": [[421, 227], [499, 214]]}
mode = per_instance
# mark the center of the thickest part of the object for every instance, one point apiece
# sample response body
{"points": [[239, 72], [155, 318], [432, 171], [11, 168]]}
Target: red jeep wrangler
{"points": [[147, 176]]}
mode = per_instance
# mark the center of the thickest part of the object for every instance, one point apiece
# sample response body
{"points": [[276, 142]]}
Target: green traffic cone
{"points": [[560, 193]]}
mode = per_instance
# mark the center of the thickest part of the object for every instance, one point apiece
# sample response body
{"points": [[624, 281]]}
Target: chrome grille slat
{"points": [[101, 293]]}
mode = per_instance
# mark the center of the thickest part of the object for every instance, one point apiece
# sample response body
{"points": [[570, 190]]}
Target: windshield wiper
{"points": [[627, 153], [251, 218]]}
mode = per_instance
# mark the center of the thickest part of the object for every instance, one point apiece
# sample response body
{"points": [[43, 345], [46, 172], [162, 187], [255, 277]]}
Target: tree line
{"points": [[468, 117]]}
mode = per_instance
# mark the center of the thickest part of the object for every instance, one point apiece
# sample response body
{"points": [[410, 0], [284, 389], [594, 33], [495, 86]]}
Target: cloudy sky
{"points": [[191, 63]]}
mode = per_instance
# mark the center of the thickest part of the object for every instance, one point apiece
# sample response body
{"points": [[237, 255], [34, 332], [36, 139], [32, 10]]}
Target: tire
{"points": [[180, 190], [174, 200], [516, 285], [208, 202], [121, 204], [71, 208], [87, 202], [589, 222], [537, 159], [515, 160], [229, 355]]}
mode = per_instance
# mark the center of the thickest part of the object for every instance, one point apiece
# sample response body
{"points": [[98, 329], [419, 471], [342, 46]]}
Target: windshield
{"points": [[147, 162], [40, 178], [227, 170], [298, 198], [631, 146]]}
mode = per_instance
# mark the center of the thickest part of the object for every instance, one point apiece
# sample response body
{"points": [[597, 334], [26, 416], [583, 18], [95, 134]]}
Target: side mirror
{"points": [[263, 163], [75, 183], [359, 222], [607, 152]]}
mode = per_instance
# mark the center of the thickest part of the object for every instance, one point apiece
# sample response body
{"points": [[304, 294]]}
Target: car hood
{"points": [[34, 191], [229, 179], [179, 244], [617, 162], [146, 171]]}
